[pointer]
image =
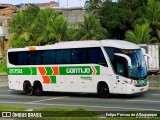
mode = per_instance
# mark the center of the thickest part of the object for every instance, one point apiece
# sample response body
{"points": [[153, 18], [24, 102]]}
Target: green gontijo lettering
{"points": [[78, 70]]}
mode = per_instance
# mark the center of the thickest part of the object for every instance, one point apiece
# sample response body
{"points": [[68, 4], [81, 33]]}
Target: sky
{"points": [[63, 3]]}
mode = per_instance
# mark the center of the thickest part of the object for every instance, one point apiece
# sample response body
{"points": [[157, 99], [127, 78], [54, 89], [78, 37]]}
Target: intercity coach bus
{"points": [[103, 67]]}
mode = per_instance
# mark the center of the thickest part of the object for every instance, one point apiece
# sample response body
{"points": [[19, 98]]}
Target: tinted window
{"points": [[34, 58], [63, 57], [110, 52], [48, 57], [118, 63], [95, 55], [13, 57], [22, 58], [79, 56]]}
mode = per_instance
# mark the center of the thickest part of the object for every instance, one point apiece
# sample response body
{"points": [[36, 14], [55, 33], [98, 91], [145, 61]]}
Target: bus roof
{"points": [[82, 44]]}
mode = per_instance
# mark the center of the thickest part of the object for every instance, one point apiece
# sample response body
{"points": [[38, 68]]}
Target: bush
{"points": [[3, 64]]}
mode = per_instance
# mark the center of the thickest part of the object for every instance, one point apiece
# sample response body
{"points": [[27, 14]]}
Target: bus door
{"points": [[121, 70]]}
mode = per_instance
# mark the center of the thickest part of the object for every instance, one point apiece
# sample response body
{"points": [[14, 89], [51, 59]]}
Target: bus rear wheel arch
{"points": [[103, 90], [27, 88], [37, 88]]}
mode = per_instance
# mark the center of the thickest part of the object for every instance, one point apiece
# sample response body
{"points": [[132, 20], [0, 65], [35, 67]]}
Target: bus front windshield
{"points": [[138, 69]]}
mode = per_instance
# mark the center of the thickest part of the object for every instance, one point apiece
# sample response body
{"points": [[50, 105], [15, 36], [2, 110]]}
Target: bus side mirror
{"points": [[148, 56], [125, 56]]}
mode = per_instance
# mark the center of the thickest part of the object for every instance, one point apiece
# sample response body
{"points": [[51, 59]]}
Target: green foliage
{"points": [[60, 26], [141, 34], [21, 27], [93, 5], [72, 34], [20, 43], [49, 27], [92, 29], [3, 65], [153, 11], [11, 108], [118, 17], [152, 14]]}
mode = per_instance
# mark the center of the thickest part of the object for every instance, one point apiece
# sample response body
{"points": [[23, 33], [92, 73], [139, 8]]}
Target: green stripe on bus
{"points": [[79, 70], [53, 79], [97, 69], [65, 70], [34, 70], [49, 71], [19, 71]]}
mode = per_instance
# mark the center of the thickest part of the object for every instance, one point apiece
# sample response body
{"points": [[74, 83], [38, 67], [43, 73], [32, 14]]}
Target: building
{"points": [[6, 14], [50, 4], [72, 14]]}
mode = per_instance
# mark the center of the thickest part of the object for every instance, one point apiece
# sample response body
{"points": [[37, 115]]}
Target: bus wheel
{"points": [[103, 91], [28, 89], [38, 91]]}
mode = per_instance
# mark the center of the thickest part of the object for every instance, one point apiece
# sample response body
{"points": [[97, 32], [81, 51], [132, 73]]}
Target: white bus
{"points": [[103, 67]]}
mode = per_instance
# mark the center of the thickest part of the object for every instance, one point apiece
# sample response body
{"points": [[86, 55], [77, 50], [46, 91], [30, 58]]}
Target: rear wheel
{"points": [[38, 91], [27, 88], [103, 91]]}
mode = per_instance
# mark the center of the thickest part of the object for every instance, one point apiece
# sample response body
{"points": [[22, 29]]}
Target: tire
{"points": [[38, 90], [27, 88], [103, 92]]}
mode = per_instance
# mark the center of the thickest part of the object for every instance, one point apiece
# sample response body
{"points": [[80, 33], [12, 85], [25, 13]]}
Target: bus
{"points": [[103, 67]]}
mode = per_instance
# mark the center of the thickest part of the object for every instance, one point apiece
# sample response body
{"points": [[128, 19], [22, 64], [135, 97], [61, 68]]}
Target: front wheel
{"points": [[103, 91], [28, 89]]}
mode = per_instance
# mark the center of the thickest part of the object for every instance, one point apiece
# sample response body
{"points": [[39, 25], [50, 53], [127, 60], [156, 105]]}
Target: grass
{"points": [[67, 113], [1, 71], [11, 108]]}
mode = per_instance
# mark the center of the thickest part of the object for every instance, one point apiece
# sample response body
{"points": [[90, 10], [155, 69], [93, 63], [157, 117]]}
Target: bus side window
{"points": [[34, 57], [63, 56], [48, 57], [22, 58], [79, 56], [96, 56], [110, 53], [13, 58]]}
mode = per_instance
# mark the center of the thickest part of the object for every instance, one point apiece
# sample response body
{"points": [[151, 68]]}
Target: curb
{"points": [[3, 74]]}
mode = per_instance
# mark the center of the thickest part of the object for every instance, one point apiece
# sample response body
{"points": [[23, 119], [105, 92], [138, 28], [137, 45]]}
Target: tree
{"points": [[153, 16], [49, 27], [92, 29], [153, 11], [72, 34], [141, 34], [21, 26], [60, 26], [118, 17], [93, 5]]}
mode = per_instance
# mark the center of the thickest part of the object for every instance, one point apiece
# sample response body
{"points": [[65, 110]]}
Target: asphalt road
{"points": [[150, 101]]}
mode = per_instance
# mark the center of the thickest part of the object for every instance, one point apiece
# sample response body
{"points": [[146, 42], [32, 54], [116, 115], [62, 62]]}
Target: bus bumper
{"points": [[134, 89]]}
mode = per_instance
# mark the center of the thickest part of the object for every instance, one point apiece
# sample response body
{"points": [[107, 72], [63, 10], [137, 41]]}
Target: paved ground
{"points": [[149, 101]]}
